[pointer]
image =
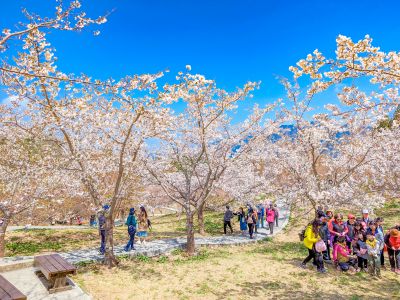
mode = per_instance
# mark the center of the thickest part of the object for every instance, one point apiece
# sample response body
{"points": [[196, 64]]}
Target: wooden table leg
{"points": [[59, 284]]}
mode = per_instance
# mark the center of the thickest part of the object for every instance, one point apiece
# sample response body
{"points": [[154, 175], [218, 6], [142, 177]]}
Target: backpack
{"points": [[302, 234], [250, 219]]}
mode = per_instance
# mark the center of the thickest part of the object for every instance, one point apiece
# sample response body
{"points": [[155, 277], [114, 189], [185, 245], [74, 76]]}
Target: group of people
{"points": [[137, 225], [253, 218], [354, 245]]}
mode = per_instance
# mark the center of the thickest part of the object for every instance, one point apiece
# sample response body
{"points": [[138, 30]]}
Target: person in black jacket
{"points": [[227, 219], [251, 221], [325, 236]]}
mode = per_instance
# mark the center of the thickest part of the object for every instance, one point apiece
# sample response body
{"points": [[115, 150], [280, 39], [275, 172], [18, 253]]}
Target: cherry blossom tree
{"points": [[337, 156], [200, 143], [28, 172], [98, 127]]}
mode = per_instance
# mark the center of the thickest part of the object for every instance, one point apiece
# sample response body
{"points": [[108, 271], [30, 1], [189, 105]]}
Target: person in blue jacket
{"points": [[131, 223], [262, 215]]}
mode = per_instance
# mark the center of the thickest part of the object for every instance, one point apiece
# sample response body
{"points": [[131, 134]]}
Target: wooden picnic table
{"points": [[8, 291], [55, 269]]}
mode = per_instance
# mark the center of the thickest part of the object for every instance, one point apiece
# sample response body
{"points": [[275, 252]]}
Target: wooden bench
{"points": [[8, 291], [55, 269]]}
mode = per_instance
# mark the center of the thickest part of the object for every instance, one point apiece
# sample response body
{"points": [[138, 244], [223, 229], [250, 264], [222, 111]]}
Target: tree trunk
{"points": [[200, 218], [190, 246], [109, 258], [3, 229]]}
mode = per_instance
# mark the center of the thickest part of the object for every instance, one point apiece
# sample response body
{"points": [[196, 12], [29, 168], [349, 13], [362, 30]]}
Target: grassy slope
{"points": [[265, 270], [39, 241]]}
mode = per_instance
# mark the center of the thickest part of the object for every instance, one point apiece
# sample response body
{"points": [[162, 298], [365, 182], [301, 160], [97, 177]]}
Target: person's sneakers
{"points": [[303, 266], [323, 270], [383, 267], [397, 271]]}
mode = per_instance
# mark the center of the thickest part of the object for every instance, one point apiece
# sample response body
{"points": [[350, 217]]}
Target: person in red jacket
{"points": [[392, 241], [337, 227]]}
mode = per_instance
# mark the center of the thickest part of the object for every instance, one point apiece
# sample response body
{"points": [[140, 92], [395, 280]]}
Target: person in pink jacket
{"points": [[342, 256], [270, 216]]}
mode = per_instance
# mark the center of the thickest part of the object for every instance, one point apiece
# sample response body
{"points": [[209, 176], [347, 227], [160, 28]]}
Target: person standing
{"points": [[311, 236], [337, 228], [262, 214], [131, 223], [271, 218], [365, 218], [373, 246], [259, 215], [351, 220], [242, 220], [392, 241], [379, 223], [102, 228], [276, 215], [255, 215], [227, 219], [143, 225], [251, 221], [325, 236]]}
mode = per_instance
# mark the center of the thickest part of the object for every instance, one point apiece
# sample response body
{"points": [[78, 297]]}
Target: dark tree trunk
{"points": [[200, 219], [3, 229], [109, 257], [190, 245]]}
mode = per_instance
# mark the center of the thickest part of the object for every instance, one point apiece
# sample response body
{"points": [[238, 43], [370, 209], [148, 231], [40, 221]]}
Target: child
{"points": [[361, 250], [373, 246], [342, 257]]}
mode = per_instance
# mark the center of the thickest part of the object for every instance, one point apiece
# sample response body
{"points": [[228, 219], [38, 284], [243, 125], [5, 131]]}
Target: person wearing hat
{"points": [[365, 218], [131, 223], [392, 241], [102, 227]]}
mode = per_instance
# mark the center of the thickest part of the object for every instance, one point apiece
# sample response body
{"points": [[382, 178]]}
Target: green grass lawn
{"points": [[37, 241]]}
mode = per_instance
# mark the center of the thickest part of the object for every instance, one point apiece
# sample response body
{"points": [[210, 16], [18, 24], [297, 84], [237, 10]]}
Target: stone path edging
{"points": [[151, 249]]}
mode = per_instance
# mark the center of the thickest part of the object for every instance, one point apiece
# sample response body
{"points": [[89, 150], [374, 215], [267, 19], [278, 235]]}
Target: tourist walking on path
{"points": [[276, 210], [392, 241], [373, 246], [143, 225], [311, 237], [227, 219], [259, 215], [255, 215], [102, 228], [131, 223], [262, 215], [251, 221], [242, 220], [271, 218]]}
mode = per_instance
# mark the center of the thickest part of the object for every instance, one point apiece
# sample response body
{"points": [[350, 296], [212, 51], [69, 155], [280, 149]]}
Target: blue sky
{"points": [[229, 41]]}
